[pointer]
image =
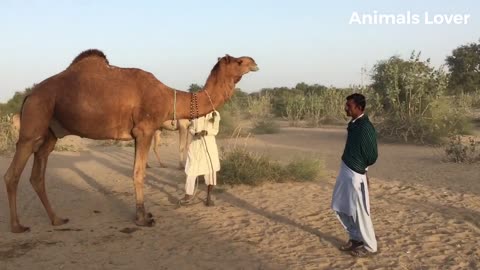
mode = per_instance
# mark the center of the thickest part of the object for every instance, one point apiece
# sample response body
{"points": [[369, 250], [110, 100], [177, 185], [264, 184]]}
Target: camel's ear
{"points": [[228, 58], [219, 58]]}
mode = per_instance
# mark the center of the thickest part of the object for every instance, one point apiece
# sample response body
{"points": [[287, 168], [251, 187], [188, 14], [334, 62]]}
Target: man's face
{"points": [[352, 109]]}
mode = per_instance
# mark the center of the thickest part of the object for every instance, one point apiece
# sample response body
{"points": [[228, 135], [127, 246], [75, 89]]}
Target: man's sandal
{"points": [[361, 252]]}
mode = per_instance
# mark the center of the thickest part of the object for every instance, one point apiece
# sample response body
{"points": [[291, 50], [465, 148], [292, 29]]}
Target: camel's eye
{"points": [[240, 62]]}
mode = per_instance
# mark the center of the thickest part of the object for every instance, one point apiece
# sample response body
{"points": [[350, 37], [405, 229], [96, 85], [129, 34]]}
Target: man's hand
{"points": [[201, 133]]}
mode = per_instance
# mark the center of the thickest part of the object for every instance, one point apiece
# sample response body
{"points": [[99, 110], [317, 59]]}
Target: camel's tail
{"points": [[16, 118], [23, 103]]}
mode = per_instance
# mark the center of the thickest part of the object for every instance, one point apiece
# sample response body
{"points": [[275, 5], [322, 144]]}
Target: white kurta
{"points": [[202, 156]]}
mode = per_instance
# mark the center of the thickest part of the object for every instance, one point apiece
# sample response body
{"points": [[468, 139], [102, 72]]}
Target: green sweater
{"points": [[361, 147]]}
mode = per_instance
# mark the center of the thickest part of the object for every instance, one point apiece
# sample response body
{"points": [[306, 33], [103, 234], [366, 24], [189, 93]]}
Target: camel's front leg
{"points": [[142, 145]]}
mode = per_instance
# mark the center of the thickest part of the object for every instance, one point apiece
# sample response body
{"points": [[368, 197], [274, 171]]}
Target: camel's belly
{"points": [[91, 130]]}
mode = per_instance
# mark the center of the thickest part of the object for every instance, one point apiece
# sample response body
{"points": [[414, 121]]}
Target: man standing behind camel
{"points": [[202, 156], [350, 198]]}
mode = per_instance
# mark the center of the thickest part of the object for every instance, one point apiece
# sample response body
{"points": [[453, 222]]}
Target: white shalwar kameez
{"points": [[202, 156]]}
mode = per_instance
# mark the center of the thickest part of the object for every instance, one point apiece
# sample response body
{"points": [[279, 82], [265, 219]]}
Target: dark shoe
{"points": [[351, 245], [361, 252]]}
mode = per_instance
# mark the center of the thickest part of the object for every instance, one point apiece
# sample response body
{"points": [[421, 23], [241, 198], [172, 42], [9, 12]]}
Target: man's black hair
{"points": [[359, 99]]}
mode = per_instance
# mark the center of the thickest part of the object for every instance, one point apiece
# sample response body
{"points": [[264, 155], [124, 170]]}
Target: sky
{"points": [[315, 42]]}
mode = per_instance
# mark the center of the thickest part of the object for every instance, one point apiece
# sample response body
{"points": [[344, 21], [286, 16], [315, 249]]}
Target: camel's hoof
{"points": [[146, 222], [163, 165], [59, 221], [20, 229], [210, 202], [148, 166]]}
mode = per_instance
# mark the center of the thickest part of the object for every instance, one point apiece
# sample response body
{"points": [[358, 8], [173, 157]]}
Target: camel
{"points": [[96, 100], [184, 139], [181, 125]]}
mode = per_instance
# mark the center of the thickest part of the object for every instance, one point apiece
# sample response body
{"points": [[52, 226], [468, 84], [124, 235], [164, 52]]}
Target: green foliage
{"points": [[266, 126], [193, 88], [294, 109], [304, 169], [240, 166], [464, 66], [14, 104], [411, 93], [260, 113], [231, 114]]}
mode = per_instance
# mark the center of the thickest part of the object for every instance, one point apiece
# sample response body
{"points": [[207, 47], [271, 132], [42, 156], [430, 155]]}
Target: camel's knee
{"points": [[29, 144], [11, 180]]}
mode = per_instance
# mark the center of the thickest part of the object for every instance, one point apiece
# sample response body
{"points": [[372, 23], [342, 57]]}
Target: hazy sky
{"points": [[179, 41]]}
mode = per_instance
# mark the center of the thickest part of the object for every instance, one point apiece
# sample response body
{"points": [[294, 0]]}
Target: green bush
{"points": [[240, 166], [295, 109], [304, 169], [266, 126], [412, 94], [260, 114]]}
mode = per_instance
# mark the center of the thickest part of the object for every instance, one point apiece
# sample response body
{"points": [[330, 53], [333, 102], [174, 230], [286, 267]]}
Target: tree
{"points": [[464, 67], [14, 104], [397, 80], [193, 88]]}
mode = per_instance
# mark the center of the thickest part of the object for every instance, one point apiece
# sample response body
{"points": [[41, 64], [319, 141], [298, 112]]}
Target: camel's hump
{"points": [[90, 53]]}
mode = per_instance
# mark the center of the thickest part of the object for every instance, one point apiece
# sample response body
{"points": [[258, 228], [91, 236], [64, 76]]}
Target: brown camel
{"points": [[181, 125], [96, 100], [184, 139]]}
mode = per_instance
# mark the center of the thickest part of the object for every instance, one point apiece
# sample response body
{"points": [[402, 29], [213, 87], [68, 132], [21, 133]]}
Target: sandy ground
{"points": [[426, 213]]}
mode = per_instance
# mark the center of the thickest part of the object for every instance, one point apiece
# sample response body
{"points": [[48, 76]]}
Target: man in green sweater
{"points": [[350, 199]]}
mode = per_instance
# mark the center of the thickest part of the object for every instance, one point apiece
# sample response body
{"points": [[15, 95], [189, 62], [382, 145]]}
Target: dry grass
{"points": [[463, 150], [8, 135]]}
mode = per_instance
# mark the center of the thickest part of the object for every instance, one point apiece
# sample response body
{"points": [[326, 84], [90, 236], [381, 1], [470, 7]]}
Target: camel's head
{"points": [[237, 67]]}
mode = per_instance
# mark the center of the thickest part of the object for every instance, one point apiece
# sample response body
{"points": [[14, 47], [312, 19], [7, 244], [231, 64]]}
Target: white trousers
{"points": [[360, 227], [210, 179]]}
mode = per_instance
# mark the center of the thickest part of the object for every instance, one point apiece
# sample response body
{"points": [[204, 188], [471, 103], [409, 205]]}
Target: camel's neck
{"points": [[217, 91]]}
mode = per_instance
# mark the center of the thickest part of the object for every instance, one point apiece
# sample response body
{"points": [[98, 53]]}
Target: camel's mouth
{"points": [[254, 68]]}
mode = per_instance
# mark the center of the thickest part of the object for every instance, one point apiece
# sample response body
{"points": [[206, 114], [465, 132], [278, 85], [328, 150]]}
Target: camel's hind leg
{"points": [[143, 140], [37, 178], [12, 176], [157, 138], [185, 139]]}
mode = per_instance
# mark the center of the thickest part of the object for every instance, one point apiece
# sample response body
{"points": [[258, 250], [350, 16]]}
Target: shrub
{"points": [[304, 169], [412, 96], [260, 113], [294, 109], [266, 126], [240, 166], [461, 151], [8, 135]]}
